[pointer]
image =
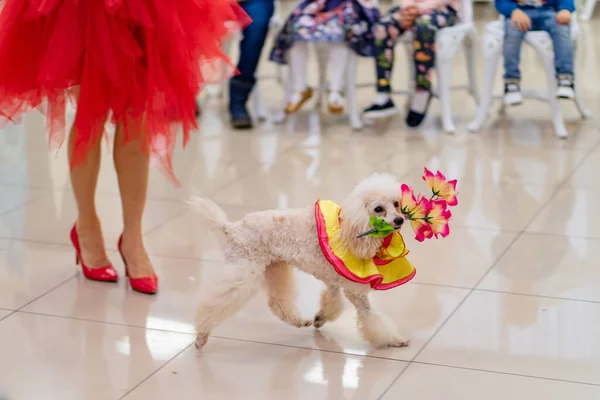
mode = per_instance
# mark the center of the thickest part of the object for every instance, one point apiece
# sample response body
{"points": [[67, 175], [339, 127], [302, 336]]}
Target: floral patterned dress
{"points": [[329, 21]]}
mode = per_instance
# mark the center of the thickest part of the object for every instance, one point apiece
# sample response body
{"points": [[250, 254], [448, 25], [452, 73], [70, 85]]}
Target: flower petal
{"points": [[422, 229]]}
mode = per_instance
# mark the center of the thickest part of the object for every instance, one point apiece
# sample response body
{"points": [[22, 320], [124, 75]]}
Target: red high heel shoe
{"points": [[148, 285], [104, 274]]}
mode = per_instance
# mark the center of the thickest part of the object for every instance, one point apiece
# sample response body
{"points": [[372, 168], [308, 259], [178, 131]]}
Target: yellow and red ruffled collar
{"points": [[388, 269]]}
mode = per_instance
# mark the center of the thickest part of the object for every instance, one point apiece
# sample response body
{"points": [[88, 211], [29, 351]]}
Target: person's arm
{"points": [[506, 7], [568, 5]]}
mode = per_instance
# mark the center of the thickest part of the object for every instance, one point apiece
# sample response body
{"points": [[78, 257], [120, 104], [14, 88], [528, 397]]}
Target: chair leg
{"points": [[583, 110], [469, 49], [444, 69], [286, 80], [260, 111], [322, 59], [354, 114], [492, 47], [588, 10], [557, 119], [412, 73]]}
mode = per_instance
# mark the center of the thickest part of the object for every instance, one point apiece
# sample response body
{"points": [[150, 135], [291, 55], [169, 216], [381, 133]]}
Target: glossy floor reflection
{"points": [[507, 307]]}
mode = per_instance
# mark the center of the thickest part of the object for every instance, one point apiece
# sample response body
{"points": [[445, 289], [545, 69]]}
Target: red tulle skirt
{"points": [[134, 61]]}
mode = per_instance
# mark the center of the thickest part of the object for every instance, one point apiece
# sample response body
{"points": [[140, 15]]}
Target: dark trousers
{"points": [[255, 35], [388, 30]]}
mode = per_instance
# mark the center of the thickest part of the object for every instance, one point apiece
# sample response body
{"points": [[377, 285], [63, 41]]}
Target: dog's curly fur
{"points": [[268, 244]]}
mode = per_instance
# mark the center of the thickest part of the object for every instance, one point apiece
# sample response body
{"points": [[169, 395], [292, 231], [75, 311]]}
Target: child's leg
{"points": [[298, 61], [513, 40], [426, 27], [511, 51], [386, 31], [338, 53], [564, 49]]}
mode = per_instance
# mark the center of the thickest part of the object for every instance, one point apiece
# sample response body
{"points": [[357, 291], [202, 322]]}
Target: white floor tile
{"points": [[460, 259], [58, 212], [548, 265], [78, 360], [524, 335], [429, 382], [572, 212], [242, 370], [14, 197], [29, 270]]}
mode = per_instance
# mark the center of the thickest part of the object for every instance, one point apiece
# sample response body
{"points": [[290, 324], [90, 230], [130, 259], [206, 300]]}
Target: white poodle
{"points": [[267, 244]]}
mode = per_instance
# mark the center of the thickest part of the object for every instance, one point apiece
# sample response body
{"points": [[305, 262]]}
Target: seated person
{"points": [[552, 16], [424, 18], [343, 25], [253, 40]]}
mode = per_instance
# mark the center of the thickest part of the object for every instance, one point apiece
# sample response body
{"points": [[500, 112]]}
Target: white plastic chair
{"points": [[588, 10], [541, 42], [448, 41], [260, 111]]}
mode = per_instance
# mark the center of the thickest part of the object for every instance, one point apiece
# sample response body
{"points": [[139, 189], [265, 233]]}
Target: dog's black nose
{"points": [[399, 221]]}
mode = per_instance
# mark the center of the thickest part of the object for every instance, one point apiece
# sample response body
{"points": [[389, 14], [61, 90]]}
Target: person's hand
{"points": [[521, 20], [409, 14], [563, 17]]}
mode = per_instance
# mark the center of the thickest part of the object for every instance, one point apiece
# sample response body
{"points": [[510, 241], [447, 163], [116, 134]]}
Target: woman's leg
{"points": [[132, 166], [426, 27], [84, 179]]}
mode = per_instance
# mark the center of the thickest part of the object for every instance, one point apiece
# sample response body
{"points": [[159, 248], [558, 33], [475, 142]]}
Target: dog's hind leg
{"points": [[375, 328], [228, 299], [332, 306], [281, 290]]}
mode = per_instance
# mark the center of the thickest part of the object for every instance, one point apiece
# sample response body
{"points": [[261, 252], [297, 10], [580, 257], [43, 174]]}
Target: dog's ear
{"points": [[354, 221]]}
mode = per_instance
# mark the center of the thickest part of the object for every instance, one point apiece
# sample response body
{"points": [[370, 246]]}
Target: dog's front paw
{"points": [[319, 320], [304, 323], [201, 340]]}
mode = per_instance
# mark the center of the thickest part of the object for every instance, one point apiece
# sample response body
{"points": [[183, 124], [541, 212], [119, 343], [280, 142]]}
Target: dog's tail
{"points": [[209, 210]]}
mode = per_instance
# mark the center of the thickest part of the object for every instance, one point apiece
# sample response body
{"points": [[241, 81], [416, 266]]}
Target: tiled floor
{"points": [[514, 312]]}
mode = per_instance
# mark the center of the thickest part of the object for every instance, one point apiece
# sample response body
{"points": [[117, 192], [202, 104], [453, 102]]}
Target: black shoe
{"points": [[418, 108], [380, 111], [566, 87], [239, 91], [512, 93]]}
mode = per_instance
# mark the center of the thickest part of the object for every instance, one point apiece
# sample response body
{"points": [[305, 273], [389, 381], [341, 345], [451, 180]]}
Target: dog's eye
{"points": [[378, 209], [396, 204]]}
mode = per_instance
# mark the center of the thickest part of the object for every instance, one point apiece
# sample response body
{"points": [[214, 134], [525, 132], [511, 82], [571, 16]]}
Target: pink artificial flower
{"points": [[439, 218], [416, 210], [441, 187], [422, 229]]}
